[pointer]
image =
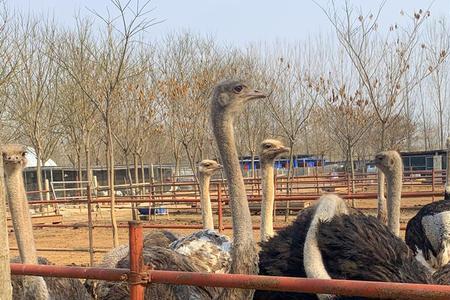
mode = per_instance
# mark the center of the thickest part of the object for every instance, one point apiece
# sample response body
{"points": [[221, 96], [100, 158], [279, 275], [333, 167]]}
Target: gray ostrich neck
{"points": [[268, 197], [20, 215], [382, 209], [35, 287], [205, 201], [244, 253], [394, 186]]}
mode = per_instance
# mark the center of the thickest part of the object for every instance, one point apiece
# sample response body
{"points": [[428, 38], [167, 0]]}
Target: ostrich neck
{"points": [[244, 253], [35, 287], [394, 184], [382, 209], [268, 197], [205, 201], [20, 216]]}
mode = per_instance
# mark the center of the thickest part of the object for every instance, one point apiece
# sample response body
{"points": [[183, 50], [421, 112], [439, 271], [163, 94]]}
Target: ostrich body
{"points": [[30, 287], [160, 258], [330, 240], [206, 168], [270, 149], [161, 238], [207, 249]]}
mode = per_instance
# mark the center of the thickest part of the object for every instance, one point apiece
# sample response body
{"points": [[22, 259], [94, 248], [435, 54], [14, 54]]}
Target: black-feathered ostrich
{"points": [[229, 97], [428, 232], [330, 240], [31, 287]]}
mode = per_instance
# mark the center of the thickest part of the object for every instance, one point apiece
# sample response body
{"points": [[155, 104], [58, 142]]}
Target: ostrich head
{"points": [[388, 161], [271, 149], [14, 157], [208, 167], [231, 95]]}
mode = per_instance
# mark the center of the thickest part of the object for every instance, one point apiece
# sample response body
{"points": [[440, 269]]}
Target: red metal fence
{"points": [[138, 276]]}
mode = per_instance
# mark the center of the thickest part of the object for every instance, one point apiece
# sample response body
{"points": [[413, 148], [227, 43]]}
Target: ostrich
{"points": [[330, 240], [428, 232], [161, 238], [206, 248], [30, 287], [206, 169], [391, 164], [270, 149], [228, 99]]}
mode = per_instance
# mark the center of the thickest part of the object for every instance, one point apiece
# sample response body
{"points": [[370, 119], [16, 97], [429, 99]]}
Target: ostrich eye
{"points": [[207, 165], [238, 89], [267, 146], [24, 153]]}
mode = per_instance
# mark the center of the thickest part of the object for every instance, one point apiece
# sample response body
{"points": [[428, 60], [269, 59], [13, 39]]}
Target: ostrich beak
{"points": [[219, 166], [283, 149], [255, 94]]}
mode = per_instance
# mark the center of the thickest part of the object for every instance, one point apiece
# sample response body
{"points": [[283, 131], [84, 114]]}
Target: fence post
{"points": [[90, 224], [137, 287], [219, 207], [275, 182], [432, 184]]}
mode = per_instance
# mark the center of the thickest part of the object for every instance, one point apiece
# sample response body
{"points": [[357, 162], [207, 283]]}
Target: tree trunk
{"points": [[352, 170], [111, 176], [142, 174], [39, 172], [80, 172], [289, 177], [132, 190], [5, 272], [253, 163], [89, 201]]}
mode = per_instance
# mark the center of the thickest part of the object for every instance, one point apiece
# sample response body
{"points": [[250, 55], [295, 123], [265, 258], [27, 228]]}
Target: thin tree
{"points": [[115, 63]]}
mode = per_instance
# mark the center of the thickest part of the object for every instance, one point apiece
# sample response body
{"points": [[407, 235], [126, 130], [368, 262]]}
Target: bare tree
{"points": [[35, 92], [387, 65], [436, 50], [115, 64]]}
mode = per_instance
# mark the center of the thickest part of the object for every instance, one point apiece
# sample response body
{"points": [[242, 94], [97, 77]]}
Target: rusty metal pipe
{"points": [[289, 284], [70, 272]]}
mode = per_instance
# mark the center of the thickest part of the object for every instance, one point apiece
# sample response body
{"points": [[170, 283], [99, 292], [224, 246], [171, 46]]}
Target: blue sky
{"points": [[233, 21]]}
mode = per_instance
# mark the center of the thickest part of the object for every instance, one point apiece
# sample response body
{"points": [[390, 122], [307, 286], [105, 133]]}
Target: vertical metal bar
{"points": [[275, 182], [90, 224], [219, 206], [136, 260], [432, 184]]}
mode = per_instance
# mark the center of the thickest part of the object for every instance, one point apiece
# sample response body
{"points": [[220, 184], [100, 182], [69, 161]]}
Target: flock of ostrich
{"points": [[328, 240]]}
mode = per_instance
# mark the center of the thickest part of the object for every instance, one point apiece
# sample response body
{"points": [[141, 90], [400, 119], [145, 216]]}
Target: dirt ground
{"points": [[78, 237]]}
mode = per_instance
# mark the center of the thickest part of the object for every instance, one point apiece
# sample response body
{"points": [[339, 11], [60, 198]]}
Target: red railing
{"points": [[315, 185], [138, 276]]}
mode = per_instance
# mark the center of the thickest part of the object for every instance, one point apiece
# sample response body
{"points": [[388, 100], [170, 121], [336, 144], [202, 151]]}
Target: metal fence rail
{"points": [[138, 277]]}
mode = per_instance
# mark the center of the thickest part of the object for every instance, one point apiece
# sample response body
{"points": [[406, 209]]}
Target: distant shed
{"points": [[425, 160]]}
